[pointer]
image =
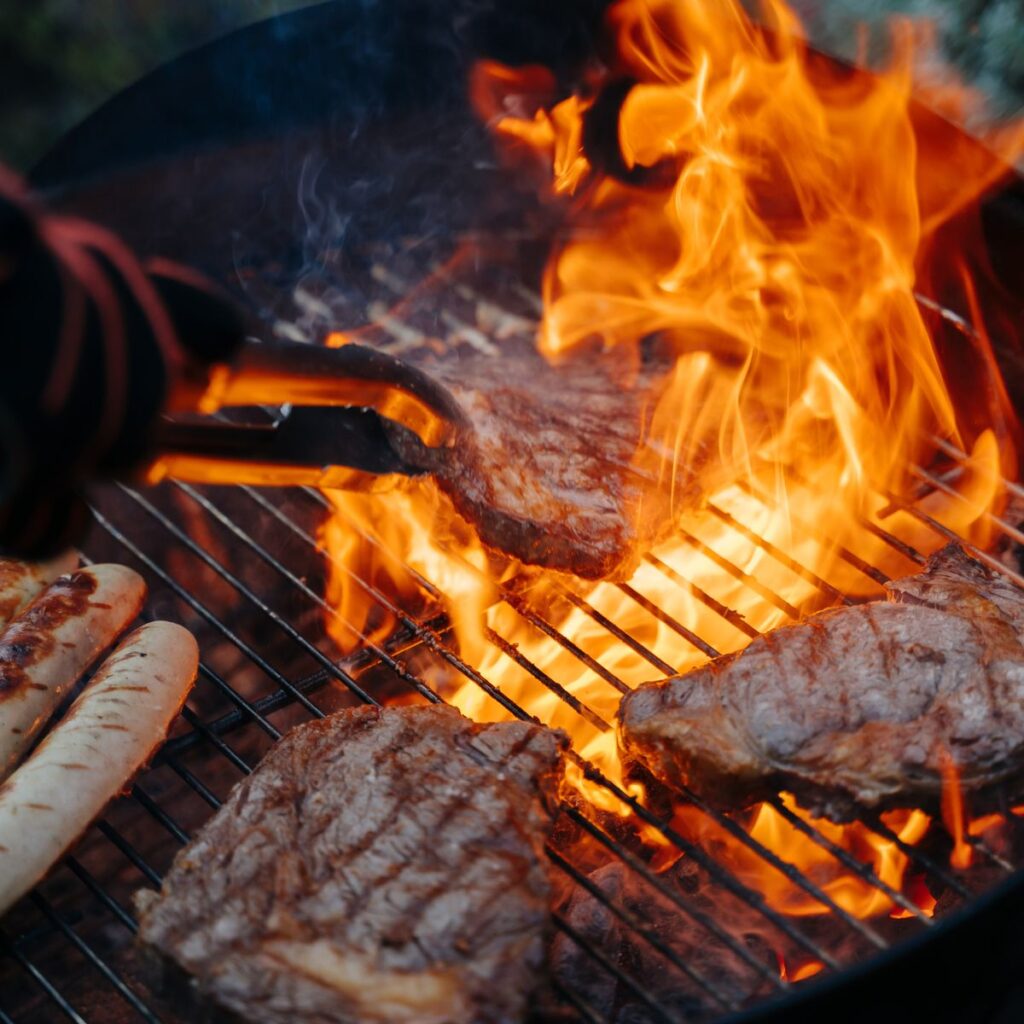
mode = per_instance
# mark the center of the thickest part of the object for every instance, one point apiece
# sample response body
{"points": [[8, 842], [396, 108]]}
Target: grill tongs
{"points": [[334, 417]]}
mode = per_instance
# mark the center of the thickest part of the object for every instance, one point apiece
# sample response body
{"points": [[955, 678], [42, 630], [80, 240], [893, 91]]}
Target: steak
{"points": [[855, 707], [379, 865], [554, 470]]}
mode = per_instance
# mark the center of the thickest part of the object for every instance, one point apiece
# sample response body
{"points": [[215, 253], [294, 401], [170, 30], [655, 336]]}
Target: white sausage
{"points": [[22, 581], [49, 646], [91, 756]]}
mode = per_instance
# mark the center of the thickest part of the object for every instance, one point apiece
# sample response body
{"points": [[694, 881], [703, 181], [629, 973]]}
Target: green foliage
{"points": [[983, 39], [60, 58]]}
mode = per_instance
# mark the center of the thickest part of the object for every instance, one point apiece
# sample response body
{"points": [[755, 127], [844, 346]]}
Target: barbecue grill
{"points": [[258, 159]]}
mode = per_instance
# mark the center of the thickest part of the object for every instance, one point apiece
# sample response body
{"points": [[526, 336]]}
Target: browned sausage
{"points": [[22, 581], [48, 647], [108, 734]]}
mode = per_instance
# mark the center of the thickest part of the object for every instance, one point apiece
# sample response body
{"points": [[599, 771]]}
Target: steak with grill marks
{"points": [[862, 706], [554, 470], [379, 865]]}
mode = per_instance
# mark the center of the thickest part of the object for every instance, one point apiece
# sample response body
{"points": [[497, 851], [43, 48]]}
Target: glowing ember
{"points": [[767, 226]]}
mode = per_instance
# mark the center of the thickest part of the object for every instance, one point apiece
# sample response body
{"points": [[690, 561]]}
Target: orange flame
{"points": [[767, 229], [801, 973], [954, 815]]}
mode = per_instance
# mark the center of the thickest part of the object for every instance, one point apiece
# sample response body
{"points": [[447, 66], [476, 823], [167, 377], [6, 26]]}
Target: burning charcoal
{"points": [[648, 968]]}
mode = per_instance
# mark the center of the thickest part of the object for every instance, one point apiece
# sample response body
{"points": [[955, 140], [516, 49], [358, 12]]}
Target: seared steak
{"points": [[553, 471], [853, 707], [379, 865]]}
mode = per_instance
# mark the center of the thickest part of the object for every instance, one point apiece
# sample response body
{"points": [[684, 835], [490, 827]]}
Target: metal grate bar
{"points": [[129, 852], [578, 1003], [619, 633], [232, 721], [737, 573], [115, 980], [657, 882], [246, 709], [717, 871], [858, 563], [932, 867], [789, 871], [598, 956], [892, 540], [979, 844], [159, 815], [41, 980], [662, 616], [952, 450], [734, 618], [563, 641], [591, 772], [225, 574], [949, 535], [581, 709], [648, 935], [887, 538], [207, 615], [862, 870], [101, 894], [779, 555], [522, 714], [189, 777], [275, 564], [199, 726], [935, 483]]}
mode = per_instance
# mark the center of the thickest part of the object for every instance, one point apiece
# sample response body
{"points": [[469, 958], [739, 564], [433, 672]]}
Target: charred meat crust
{"points": [[853, 708], [551, 468], [381, 864]]}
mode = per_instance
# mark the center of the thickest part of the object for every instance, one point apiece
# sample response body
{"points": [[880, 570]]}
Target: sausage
{"points": [[48, 647], [91, 756], [22, 581]]}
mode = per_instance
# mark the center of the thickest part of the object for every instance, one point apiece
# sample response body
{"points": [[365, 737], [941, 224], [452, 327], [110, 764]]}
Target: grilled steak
{"points": [[553, 471], [853, 707], [380, 865]]}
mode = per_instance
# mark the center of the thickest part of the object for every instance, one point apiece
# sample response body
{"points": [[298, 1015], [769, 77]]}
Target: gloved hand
{"points": [[92, 343]]}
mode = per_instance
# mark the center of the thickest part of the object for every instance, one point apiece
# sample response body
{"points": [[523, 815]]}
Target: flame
{"points": [[764, 219], [955, 816], [800, 973]]}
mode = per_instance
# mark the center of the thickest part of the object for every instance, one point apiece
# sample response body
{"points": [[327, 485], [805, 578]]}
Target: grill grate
{"points": [[268, 664]]}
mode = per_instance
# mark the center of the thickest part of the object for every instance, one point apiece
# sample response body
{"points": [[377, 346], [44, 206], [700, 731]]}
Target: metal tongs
{"points": [[341, 411]]}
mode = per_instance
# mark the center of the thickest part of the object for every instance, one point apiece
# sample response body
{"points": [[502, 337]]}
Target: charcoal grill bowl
{"points": [[202, 161]]}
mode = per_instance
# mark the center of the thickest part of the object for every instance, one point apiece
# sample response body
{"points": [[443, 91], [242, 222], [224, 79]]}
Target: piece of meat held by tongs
{"points": [[335, 414]]}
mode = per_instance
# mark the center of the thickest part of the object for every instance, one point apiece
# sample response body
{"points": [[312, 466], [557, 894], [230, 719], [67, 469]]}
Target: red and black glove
{"points": [[92, 342]]}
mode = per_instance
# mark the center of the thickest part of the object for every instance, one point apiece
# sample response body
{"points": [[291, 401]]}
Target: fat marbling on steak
{"points": [[553, 469], [853, 707], [379, 865]]}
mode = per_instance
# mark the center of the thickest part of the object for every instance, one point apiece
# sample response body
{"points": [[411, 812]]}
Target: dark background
{"points": [[59, 59]]}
